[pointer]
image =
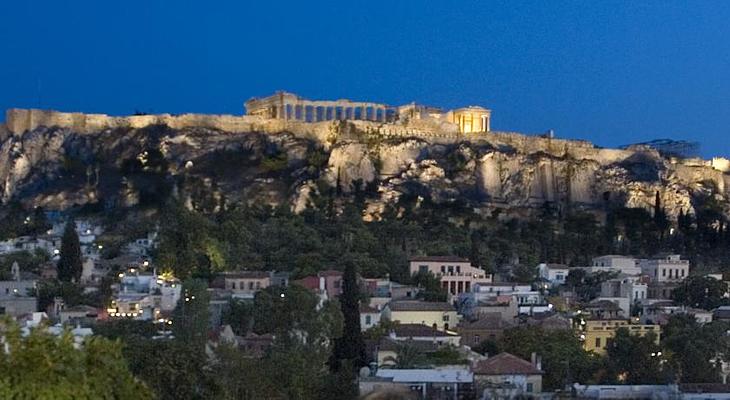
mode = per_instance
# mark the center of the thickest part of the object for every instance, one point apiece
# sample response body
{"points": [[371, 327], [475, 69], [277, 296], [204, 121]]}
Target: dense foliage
{"points": [[259, 237], [43, 366]]}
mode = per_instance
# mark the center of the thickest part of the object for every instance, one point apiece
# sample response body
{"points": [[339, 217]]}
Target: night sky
{"points": [[610, 72]]}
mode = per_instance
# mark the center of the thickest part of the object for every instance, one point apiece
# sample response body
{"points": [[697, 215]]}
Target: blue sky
{"points": [[607, 71]]}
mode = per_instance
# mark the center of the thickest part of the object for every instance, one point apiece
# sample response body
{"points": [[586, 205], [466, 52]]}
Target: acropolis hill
{"points": [[452, 155]]}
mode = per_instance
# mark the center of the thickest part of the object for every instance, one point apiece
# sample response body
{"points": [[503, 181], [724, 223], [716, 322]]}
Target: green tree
{"points": [[635, 360], [407, 356], [691, 347], [239, 315], [487, 347], [237, 376], [190, 320], [351, 346], [700, 292], [294, 314], [431, 285], [69, 265], [42, 366], [171, 368], [562, 354]]}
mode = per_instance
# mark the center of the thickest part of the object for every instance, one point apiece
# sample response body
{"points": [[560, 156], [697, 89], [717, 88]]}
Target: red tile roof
{"points": [[418, 330], [439, 259], [366, 309], [505, 364], [410, 305], [247, 275]]}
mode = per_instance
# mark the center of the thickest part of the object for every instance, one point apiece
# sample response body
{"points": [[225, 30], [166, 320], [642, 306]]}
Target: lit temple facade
{"points": [[289, 106]]}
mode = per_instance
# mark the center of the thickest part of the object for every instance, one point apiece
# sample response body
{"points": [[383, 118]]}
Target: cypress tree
{"points": [[350, 348], [69, 265]]}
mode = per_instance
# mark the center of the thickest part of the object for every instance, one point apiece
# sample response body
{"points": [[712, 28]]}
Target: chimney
{"points": [[322, 285], [536, 361], [15, 271]]}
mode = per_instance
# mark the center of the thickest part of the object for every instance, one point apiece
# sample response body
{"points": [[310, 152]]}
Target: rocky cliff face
{"points": [[58, 168]]}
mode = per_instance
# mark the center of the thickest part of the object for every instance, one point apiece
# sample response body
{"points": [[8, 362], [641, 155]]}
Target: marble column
{"points": [[363, 113]]}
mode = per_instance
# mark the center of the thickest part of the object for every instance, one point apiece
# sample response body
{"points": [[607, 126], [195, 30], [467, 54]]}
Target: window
{"points": [[423, 268], [451, 269], [458, 269], [446, 317], [529, 387], [598, 343], [443, 269], [368, 320], [664, 272], [250, 286], [476, 339]]}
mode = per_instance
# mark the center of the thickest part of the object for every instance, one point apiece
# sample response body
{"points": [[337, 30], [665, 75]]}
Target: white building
{"points": [[143, 246], [554, 274], [665, 269], [369, 317], [629, 288], [528, 301], [623, 264], [425, 382], [145, 296]]}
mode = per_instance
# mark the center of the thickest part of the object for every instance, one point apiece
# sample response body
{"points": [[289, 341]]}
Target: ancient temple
{"points": [[289, 106]]}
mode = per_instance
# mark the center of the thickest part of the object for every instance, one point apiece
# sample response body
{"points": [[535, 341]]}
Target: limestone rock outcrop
{"points": [[58, 167]]}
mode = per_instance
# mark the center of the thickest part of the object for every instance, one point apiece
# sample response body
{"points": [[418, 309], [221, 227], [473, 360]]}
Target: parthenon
{"points": [[289, 106]]}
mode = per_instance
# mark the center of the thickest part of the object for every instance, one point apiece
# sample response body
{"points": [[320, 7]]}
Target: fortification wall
{"points": [[21, 120]]}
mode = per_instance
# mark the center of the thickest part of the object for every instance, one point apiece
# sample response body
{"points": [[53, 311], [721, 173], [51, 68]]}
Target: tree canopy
{"points": [[43, 366]]}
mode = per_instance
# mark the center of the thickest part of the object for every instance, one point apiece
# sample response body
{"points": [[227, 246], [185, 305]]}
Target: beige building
{"points": [[595, 333], [247, 283], [457, 275], [622, 264], [665, 269], [440, 316]]}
